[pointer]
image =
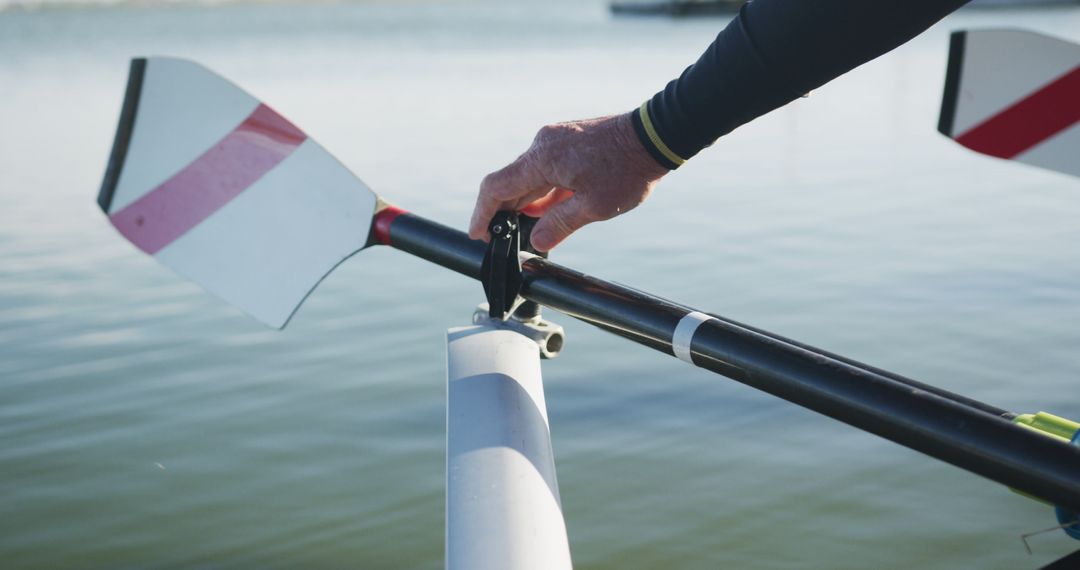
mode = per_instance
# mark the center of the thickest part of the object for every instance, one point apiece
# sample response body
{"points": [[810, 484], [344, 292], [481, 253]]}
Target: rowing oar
{"points": [[224, 190], [1014, 94]]}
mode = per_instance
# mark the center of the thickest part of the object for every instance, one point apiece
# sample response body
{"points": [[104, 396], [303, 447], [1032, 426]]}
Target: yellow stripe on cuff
{"points": [[655, 138]]}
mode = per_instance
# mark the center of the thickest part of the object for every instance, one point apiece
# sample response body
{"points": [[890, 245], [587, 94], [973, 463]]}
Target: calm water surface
{"points": [[143, 423]]}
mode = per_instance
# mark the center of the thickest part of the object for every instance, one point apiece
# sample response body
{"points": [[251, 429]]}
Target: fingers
{"points": [[573, 174], [510, 188], [537, 208], [561, 220]]}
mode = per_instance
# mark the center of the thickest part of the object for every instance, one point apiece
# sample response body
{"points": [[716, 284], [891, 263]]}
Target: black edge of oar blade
{"points": [[949, 99], [123, 133]]}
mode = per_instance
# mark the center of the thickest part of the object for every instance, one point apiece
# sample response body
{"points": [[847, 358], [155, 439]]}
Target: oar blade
{"points": [[1014, 94], [226, 192]]}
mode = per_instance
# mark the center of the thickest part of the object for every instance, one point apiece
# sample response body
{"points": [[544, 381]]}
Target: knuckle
{"points": [[488, 183], [547, 138], [547, 132], [499, 185]]}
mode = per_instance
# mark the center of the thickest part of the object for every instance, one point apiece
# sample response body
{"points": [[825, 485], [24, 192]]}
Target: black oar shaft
{"points": [[953, 428], [452, 249]]}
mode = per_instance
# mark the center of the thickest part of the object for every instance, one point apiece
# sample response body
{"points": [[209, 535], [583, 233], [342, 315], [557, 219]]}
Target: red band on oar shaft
{"points": [[211, 181], [1031, 120], [383, 220]]}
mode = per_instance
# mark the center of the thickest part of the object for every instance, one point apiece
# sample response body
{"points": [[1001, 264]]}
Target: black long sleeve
{"points": [[771, 53]]}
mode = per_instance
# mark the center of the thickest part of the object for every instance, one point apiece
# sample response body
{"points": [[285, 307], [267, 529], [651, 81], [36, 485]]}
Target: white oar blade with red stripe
{"points": [[225, 191], [1015, 95]]}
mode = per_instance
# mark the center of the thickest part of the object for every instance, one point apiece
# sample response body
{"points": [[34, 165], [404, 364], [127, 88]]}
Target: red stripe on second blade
{"points": [[211, 181], [1031, 120]]}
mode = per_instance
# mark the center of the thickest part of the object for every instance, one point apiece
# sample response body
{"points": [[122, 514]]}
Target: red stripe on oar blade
{"points": [[203, 187], [1035, 118]]}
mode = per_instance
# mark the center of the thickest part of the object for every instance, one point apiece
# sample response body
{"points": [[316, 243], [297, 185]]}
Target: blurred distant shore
{"points": [[28, 5]]}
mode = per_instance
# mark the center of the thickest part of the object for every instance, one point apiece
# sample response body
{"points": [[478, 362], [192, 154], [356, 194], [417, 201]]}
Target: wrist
{"points": [[645, 130], [637, 150]]}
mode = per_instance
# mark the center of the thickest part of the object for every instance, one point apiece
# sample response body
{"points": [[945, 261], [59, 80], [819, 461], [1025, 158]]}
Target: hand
{"points": [[574, 173]]}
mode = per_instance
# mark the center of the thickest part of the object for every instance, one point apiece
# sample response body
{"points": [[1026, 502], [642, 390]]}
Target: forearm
{"points": [[771, 53]]}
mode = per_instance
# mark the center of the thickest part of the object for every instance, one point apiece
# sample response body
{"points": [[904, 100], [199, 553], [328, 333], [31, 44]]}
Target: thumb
{"points": [[509, 188], [561, 220]]}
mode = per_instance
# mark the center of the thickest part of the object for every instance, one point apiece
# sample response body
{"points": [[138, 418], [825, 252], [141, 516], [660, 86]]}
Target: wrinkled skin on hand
{"points": [[574, 174]]}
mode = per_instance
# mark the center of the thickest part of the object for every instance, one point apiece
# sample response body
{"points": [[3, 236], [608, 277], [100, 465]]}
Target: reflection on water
{"points": [[143, 422]]}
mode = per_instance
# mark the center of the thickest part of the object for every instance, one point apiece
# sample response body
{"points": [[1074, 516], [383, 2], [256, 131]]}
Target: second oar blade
{"points": [[1015, 95], [225, 191]]}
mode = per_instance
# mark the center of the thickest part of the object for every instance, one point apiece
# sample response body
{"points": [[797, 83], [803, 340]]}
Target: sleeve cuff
{"points": [[650, 139]]}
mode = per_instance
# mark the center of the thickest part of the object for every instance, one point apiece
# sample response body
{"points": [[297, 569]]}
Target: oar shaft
{"points": [[453, 250], [892, 375], [953, 428]]}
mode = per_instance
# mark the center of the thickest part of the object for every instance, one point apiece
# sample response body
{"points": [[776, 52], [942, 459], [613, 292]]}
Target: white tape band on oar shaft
{"points": [[684, 334]]}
